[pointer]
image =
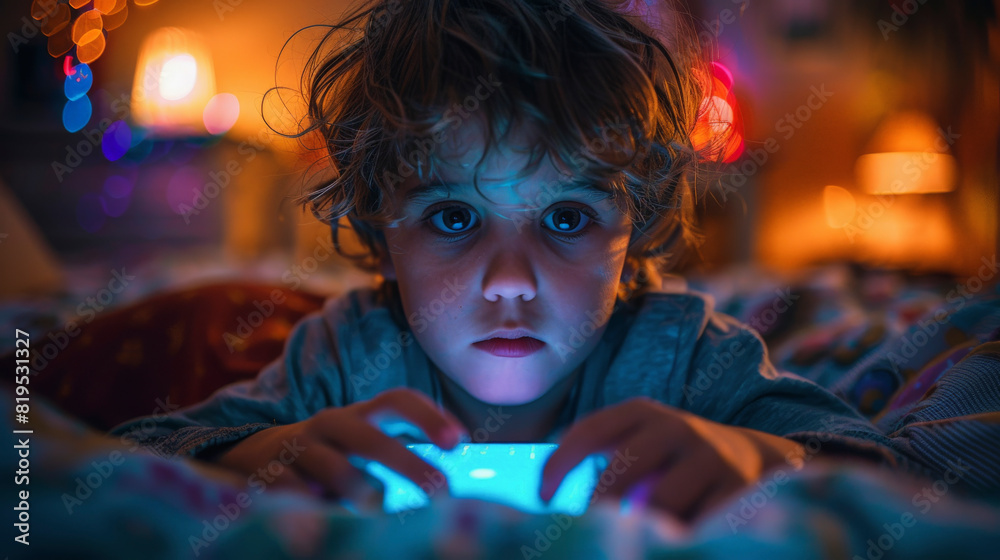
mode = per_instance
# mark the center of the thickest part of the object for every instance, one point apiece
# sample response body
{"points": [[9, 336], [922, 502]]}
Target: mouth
{"points": [[510, 347], [510, 343]]}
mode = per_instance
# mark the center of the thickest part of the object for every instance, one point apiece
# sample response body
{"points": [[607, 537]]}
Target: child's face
{"points": [[468, 267]]}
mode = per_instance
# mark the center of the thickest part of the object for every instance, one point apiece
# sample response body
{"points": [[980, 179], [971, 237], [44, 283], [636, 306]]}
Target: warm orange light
{"points": [[87, 27], [840, 206], [174, 81], [914, 232], [106, 6], [115, 19], [906, 172], [41, 9], [907, 154], [91, 50], [57, 20]]}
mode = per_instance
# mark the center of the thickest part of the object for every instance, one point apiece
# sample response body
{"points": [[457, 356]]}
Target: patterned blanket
{"points": [[921, 360], [91, 497]]}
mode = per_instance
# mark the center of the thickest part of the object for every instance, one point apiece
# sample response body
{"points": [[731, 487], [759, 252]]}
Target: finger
{"points": [[712, 501], [686, 481], [644, 453], [597, 432], [331, 470], [356, 436], [441, 427], [288, 479]]}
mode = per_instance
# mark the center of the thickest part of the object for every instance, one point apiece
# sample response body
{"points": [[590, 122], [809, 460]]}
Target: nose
{"points": [[509, 274]]}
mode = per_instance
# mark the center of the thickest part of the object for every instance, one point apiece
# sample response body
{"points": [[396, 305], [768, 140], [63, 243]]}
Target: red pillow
{"points": [[171, 349]]}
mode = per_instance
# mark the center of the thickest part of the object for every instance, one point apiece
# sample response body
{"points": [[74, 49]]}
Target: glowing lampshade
{"points": [[840, 206], [174, 81], [908, 155]]}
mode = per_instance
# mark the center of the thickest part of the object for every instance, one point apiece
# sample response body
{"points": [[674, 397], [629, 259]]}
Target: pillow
{"points": [[170, 350]]}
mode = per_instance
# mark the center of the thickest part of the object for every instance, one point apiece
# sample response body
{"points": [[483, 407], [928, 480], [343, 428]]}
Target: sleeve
{"points": [[305, 379], [731, 380], [955, 427]]}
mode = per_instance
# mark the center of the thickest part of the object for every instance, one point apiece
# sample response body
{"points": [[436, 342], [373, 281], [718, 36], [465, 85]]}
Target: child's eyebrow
{"points": [[432, 191]]}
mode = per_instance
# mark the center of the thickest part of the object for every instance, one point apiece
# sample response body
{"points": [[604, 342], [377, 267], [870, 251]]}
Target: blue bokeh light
{"points": [[76, 114], [116, 141], [79, 82]]}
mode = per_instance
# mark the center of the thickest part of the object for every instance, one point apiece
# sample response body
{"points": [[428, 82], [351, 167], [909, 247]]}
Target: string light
{"points": [[77, 32], [80, 26]]}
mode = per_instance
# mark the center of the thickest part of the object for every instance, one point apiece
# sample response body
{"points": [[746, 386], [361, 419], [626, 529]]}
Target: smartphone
{"points": [[505, 473]]}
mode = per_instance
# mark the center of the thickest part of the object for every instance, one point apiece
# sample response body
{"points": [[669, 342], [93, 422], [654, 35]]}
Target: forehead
{"points": [[528, 194], [460, 152]]}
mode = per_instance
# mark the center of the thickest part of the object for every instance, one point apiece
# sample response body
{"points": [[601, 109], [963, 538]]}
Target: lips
{"points": [[510, 347]]}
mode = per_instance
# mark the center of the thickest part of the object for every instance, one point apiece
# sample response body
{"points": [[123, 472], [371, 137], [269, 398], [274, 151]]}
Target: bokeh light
{"points": [[118, 186], [221, 113], [721, 73], [76, 114], [56, 21], [719, 115], [717, 135], [87, 26], [78, 82], [61, 42], [40, 9], [91, 50], [116, 141], [178, 76], [115, 19], [114, 207], [106, 6], [83, 25]]}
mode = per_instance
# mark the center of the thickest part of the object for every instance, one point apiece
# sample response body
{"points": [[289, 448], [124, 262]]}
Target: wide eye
{"points": [[566, 219], [453, 219]]}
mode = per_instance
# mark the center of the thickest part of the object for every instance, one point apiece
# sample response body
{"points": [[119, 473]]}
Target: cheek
{"points": [[575, 292], [433, 295]]}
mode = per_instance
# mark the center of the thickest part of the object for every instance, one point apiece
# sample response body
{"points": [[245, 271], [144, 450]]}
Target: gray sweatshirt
{"points": [[671, 347]]}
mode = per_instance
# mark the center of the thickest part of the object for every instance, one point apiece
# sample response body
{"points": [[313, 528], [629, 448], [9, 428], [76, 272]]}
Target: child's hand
{"points": [[314, 453], [690, 464]]}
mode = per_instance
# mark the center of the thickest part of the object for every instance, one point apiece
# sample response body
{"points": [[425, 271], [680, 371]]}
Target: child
{"points": [[516, 170]]}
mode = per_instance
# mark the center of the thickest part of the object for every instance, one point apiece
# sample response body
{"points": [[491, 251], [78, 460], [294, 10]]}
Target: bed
{"points": [[920, 356]]}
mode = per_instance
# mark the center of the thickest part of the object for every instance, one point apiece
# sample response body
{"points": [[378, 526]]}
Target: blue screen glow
{"points": [[506, 473]]}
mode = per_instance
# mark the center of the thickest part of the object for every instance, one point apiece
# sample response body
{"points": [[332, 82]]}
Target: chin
{"points": [[507, 392]]}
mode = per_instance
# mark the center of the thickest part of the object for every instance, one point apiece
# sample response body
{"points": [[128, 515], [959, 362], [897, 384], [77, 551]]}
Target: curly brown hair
{"points": [[392, 75]]}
